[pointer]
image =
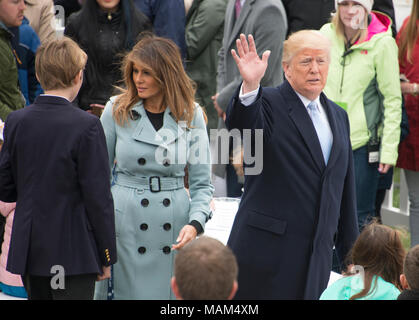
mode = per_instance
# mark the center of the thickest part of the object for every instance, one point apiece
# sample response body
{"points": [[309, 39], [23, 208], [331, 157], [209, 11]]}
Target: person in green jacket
{"points": [[11, 15], [204, 34], [364, 80], [378, 256]]}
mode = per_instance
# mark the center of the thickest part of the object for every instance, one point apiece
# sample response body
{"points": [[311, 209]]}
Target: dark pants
{"points": [[78, 287], [366, 184]]}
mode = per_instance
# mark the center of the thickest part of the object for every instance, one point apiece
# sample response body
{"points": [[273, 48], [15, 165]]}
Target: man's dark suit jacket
{"points": [[54, 164], [297, 209]]}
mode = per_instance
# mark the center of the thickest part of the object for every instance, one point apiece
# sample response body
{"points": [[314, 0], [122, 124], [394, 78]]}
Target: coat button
{"points": [[166, 202], [144, 226], [141, 250], [166, 249], [167, 226], [166, 162], [141, 161], [144, 202]]}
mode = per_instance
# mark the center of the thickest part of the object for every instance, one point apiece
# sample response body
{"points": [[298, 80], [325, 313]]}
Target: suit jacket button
{"points": [[141, 161], [166, 202], [166, 249], [144, 202], [144, 226], [142, 250], [167, 226]]}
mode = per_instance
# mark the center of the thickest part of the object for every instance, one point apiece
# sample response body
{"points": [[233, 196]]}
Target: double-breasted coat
{"points": [[148, 221], [294, 212]]}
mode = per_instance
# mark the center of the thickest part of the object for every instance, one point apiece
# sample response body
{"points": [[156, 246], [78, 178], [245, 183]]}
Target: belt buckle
{"points": [[150, 182]]}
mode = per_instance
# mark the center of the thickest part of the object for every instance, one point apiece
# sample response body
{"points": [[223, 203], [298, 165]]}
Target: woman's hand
{"points": [[251, 67], [187, 234]]}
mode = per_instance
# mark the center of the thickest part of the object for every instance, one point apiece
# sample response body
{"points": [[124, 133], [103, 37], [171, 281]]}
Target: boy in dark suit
{"points": [[54, 164]]}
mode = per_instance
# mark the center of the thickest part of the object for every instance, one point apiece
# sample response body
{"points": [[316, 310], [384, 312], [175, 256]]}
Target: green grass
{"points": [[403, 232], [396, 188], [404, 237]]}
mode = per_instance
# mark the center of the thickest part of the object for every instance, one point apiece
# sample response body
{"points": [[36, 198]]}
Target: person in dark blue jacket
{"points": [[168, 18], [25, 43]]}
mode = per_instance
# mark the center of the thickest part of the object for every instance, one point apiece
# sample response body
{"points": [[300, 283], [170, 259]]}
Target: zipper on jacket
{"points": [[347, 52]]}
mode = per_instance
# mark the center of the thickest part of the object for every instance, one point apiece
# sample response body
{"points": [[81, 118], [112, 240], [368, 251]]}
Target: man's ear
{"points": [[285, 67], [78, 78], [175, 288], [403, 281], [233, 290]]}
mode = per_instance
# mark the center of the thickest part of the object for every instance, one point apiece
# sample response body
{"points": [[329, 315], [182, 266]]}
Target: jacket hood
{"points": [[380, 25]]}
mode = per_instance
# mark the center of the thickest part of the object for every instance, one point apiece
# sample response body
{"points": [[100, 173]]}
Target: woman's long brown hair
{"points": [[409, 34], [380, 252], [163, 58]]}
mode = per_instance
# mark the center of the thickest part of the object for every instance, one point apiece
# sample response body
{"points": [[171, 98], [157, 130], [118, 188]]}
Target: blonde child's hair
{"points": [[58, 62]]}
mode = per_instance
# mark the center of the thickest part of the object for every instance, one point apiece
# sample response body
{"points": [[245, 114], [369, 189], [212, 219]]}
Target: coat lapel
{"points": [[229, 22], [331, 115], [304, 125], [237, 25], [145, 132]]}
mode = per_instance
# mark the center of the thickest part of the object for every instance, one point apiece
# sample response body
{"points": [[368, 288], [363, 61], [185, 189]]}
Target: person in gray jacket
{"points": [[204, 34], [266, 20]]}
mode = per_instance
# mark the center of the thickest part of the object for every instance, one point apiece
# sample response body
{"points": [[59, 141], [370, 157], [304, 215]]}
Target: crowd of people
{"points": [[106, 169]]}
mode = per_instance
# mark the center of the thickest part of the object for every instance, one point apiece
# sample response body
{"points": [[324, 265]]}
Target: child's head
{"points": [[380, 252], [58, 63], [410, 276]]}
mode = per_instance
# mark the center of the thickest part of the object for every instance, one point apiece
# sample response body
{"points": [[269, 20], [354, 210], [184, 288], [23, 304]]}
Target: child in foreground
{"points": [[378, 255]]}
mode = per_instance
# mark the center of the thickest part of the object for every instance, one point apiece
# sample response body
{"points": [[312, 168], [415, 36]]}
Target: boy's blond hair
{"points": [[58, 62]]}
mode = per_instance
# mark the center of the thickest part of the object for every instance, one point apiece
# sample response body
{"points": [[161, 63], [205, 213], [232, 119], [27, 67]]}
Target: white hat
{"points": [[367, 4]]}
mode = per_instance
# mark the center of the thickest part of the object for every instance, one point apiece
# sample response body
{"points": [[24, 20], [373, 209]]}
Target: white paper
{"points": [[219, 226]]}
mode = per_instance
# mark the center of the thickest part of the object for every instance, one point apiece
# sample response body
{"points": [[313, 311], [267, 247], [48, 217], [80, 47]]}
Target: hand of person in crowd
{"points": [[409, 88], [187, 234], [383, 167], [106, 274], [251, 67], [220, 112]]}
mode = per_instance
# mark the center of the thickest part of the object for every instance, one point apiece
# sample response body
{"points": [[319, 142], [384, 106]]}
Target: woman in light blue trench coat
{"points": [[153, 130]]}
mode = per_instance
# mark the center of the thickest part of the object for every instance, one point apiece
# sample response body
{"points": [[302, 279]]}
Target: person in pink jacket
{"points": [[10, 284]]}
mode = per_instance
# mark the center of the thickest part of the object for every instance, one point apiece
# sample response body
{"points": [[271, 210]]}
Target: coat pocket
{"points": [[267, 223]]}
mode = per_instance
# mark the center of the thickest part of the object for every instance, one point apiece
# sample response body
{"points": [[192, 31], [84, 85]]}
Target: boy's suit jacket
{"points": [[54, 164]]}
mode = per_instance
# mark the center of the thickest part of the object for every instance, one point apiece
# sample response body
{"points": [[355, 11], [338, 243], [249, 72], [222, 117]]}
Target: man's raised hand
{"points": [[251, 67]]}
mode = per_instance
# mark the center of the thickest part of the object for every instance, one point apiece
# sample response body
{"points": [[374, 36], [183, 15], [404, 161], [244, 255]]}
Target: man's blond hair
{"points": [[58, 62], [304, 39]]}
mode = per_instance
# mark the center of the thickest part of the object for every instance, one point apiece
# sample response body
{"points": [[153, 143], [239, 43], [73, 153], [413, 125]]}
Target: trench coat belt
{"points": [[152, 183]]}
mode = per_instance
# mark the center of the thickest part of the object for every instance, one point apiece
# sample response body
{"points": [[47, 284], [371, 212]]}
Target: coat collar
{"points": [[55, 100], [304, 125], [145, 132]]}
